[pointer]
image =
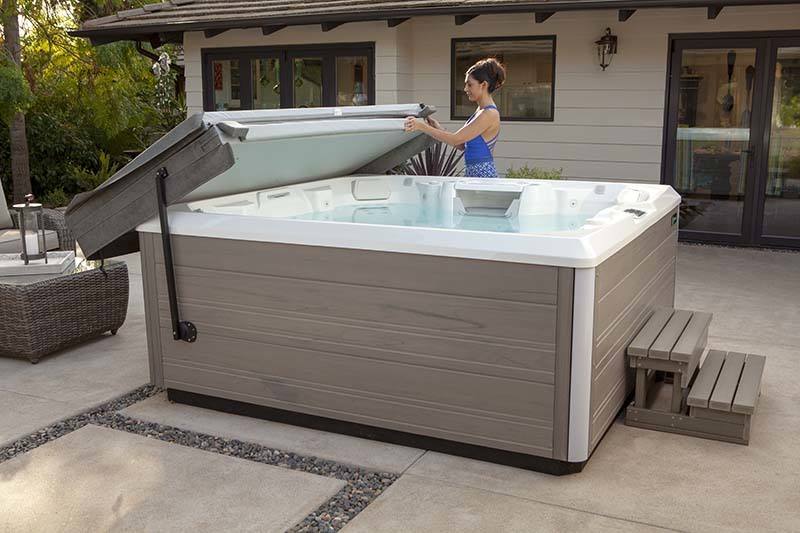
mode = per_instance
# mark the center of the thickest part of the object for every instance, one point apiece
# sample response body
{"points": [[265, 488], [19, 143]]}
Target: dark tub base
{"points": [[482, 453]]}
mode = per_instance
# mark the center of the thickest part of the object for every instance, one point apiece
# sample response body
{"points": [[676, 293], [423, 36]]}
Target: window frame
{"points": [[455, 41], [245, 54]]}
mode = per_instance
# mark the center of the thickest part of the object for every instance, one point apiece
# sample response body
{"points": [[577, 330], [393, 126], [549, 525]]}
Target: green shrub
{"points": [[88, 180], [535, 173], [55, 198]]}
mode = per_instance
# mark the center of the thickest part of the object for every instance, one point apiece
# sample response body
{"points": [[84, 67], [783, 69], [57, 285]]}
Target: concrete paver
{"points": [[100, 479], [23, 414], [77, 378], [418, 504], [369, 454], [664, 479]]}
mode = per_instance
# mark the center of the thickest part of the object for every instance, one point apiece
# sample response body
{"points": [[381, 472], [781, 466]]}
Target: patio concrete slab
{"points": [[664, 479], [100, 479], [369, 454], [23, 414], [752, 293], [418, 504], [81, 377]]}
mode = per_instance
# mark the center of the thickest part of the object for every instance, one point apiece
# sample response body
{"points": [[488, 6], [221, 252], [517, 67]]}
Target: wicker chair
{"points": [[54, 220]]}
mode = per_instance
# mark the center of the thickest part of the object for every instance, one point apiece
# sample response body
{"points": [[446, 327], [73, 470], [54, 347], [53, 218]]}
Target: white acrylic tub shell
{"points": [[262, 216]]}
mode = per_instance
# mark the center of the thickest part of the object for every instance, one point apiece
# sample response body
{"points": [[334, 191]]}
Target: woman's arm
{"points": [[482, 123], [435, 123]]}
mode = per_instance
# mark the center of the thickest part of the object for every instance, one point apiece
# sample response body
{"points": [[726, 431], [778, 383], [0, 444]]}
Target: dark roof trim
{"points": [[167, 32], [463, 19]]}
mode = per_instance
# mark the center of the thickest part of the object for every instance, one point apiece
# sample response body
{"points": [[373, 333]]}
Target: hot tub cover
{"points": [[219, 153]]}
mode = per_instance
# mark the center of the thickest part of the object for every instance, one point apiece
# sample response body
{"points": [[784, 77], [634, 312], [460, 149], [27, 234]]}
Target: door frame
{"points": [[766, 44]]}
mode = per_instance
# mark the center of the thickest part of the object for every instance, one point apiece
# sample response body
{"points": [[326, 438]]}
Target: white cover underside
{"points": [[284, 153]]}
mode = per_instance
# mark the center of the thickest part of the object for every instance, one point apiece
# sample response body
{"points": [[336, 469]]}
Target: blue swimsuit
{"points": [[478, 158]]}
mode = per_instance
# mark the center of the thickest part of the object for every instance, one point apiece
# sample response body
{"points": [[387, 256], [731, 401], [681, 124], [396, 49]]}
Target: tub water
{"points": [[416, 215]]}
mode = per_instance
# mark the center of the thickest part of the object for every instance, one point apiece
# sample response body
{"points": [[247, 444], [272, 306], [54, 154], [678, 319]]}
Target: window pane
{"points": [[266, 83], [352, 79], [225, 79], [782, 207], [528, 91], [713, 136], [307, 78]]}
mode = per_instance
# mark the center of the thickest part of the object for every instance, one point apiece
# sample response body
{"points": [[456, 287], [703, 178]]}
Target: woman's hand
{"points": [[434, 123], [413, 124]]}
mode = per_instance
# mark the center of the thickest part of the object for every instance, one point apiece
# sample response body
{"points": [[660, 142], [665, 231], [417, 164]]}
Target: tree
{"points": [[83, 104], [20, 166]]}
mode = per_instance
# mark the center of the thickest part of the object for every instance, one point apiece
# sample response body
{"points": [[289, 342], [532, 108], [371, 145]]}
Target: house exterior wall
{"points": [[607, 126]]}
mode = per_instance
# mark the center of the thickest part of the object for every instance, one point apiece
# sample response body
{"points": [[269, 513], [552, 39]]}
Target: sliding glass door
{"points": [[732, 148], [301, 76], [780, 215]]}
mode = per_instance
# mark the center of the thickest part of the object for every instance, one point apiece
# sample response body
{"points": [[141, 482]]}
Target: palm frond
{"points": [[438, 159]]}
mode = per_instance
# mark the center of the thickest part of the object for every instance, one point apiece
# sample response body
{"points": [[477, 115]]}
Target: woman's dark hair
{"points": [[489, 70]]}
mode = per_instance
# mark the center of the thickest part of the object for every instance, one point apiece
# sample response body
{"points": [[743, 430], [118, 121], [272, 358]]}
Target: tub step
{"points": [[719, 405], [671, 342]]}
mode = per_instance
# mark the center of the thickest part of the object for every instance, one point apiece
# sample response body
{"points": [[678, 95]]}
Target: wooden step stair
{"points": [[719, 401]]}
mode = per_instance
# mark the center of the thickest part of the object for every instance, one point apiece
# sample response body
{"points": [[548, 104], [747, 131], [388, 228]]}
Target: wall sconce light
{"points": [[606, 48]]}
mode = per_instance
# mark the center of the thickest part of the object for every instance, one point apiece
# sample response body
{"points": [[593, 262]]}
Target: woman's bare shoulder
{"points": [[491, 112]]}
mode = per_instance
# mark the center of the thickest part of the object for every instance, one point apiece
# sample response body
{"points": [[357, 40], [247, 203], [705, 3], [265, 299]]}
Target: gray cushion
{"points": [[10, 241]]}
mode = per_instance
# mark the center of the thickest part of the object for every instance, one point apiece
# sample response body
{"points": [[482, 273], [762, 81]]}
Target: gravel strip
{"points": [[362, 487], [735, 247], [68, 425]]}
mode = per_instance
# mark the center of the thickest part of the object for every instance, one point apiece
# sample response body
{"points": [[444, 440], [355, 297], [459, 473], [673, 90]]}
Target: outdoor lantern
{"points": [[31, 230], [606, 48]]}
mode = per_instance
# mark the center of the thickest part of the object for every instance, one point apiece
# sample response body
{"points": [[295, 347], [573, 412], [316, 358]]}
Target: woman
{"points": [[478, 136]]}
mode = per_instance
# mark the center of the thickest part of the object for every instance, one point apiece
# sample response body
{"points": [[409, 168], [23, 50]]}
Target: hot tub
{"points": [[486, 318]]}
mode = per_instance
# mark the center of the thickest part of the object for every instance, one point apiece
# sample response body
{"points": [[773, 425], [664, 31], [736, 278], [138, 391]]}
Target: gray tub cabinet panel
{"points": [[470, 351], [563, 369], [463, 277], [452, 390], [519, 361], [424, 312], [629, 286], [147, 244]]}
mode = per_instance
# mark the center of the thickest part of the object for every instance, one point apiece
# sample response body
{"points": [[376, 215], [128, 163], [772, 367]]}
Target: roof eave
{"points": [[105, 33]]}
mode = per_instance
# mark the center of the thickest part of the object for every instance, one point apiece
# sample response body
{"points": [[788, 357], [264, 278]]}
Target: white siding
{"points": [[608, 125]]}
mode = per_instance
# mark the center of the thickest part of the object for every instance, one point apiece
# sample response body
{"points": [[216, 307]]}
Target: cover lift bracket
{"points": [[182, 330]]}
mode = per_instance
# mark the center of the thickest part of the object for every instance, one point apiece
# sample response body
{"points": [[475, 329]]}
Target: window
{"points": [[314, 76], [225, 83], [530, 74]]}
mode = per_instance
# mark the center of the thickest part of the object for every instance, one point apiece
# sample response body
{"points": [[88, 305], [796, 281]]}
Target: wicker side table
{"points": [[39, 316]]}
